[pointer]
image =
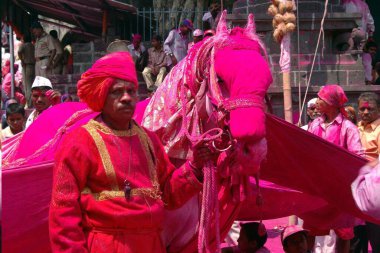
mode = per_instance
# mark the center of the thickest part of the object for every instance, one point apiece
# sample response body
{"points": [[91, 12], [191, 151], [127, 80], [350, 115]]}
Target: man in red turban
{"points": [[112, 178]]}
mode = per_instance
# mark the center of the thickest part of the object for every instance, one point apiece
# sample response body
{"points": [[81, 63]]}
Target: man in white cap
{"points": [[197, 37], [294, 239], [311, 112], [43, 96]]}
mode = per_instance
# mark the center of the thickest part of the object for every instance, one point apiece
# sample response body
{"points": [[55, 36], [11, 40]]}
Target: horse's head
{"points": [[238, 77]]}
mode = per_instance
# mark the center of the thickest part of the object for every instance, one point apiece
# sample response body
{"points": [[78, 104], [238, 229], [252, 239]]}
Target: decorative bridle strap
{"points": [[241, 102]]}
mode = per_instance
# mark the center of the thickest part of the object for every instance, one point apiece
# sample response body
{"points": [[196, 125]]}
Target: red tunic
{"points": [[89, 211]]}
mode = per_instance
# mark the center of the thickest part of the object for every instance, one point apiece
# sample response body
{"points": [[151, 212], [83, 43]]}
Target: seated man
{"points": [[43, 96], [157, 64], [15, 114], [112, 178], [369, 53], [253, 236], [138, 52]]}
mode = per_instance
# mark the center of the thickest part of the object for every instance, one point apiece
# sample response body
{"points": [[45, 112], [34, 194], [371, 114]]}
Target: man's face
{"points": [[136, 43], [296, 243], [214, 9], [197, 39], [368, 111], [37, 32], [312, 111], [120, 102], [39, 99], [322, 106], [155, 43], [16, 122], [372, 51], [184, 29]]}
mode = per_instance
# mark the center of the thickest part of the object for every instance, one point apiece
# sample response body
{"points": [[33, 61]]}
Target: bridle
{"points": [[222, 107]]}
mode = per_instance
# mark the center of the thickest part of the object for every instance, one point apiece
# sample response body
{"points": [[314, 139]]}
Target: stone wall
{"points": [[331, 66], [85, 54]]}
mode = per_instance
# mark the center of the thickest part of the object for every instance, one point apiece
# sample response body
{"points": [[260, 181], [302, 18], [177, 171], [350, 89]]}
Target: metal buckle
{"points": [[231, 142]]}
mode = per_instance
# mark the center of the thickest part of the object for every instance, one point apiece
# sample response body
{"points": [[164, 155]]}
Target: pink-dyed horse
{"points": [[221, 83]]}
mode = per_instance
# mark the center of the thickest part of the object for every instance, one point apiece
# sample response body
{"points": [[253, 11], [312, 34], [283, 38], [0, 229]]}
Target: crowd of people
{"points": [[38, 54], [331, 120]]}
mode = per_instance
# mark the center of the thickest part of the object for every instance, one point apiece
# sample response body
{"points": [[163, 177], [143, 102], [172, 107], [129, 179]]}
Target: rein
{"points": [[210, 203]]}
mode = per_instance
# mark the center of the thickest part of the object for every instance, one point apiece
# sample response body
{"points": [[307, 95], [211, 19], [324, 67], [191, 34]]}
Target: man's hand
{"points": [[155, 71], [54, 96], [203, 154], [174, 60]]}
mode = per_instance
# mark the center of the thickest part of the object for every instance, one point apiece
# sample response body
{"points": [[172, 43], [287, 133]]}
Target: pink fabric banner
{"points": [[303, 175]]}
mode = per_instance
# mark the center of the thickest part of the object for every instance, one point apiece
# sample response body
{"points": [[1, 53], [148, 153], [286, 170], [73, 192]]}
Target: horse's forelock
{"points": [[199, 58]]}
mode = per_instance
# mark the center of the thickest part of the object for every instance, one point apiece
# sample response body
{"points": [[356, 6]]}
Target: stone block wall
{"points": [[85, 54], [66, 84], [330, 67], [261, 6]]}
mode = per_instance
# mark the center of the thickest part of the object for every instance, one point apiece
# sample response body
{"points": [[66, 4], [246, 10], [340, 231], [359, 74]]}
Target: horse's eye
{"points": [[220, 80]]}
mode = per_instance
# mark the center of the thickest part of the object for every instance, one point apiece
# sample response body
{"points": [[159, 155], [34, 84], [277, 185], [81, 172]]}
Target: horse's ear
{"points": [[251, 26], [222, 24]]}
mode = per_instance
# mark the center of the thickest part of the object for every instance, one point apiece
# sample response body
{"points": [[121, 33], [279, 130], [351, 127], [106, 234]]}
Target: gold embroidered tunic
{"points": [[89, 211]]}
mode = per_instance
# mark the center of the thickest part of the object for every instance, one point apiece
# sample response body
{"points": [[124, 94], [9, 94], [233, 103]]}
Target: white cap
{"points": [[311, 102], [197, 32], [41, 81]]}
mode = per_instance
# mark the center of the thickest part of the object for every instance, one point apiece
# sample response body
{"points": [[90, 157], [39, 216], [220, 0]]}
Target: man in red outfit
{"points": [[112, 178]]}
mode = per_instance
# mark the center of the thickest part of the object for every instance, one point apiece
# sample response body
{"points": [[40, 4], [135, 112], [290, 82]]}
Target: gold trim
{"points": [[105, 129], [103, 152], [150, 156], [104, 195], [93, 126]]}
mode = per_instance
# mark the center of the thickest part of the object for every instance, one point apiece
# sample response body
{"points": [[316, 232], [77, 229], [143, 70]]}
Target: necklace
{"points": [[127, 184]]}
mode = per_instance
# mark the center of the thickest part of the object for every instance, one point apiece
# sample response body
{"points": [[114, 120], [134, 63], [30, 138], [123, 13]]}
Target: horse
{"points": [[216, 94]]}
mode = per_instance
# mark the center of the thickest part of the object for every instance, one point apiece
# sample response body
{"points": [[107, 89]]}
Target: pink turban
{"points": [[94, 83], [334, 95], [136, 37]]}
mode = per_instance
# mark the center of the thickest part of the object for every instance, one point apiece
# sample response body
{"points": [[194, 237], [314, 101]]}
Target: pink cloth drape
{"points": [[285, 62], [309, 174], [301, 161]]}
